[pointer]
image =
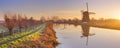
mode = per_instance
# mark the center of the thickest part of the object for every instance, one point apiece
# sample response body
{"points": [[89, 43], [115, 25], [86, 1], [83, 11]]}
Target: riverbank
{"points": [[45, 38], [106, 25]]}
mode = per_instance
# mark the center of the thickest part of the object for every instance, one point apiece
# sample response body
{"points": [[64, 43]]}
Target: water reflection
{"points": [[85, 29], [84, 36], [62, 25], [85, 32]]}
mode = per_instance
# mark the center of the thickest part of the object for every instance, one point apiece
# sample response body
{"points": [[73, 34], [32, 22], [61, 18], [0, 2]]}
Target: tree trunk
{"points": [[11, 32], [2, 34], [26, 28], [20, 30]]}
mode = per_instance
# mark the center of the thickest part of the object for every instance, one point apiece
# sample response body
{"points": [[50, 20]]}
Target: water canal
{"points": [[83, 36]]}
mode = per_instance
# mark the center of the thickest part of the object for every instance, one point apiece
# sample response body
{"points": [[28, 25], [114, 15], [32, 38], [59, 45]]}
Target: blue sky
{"points": [[37, 8]]}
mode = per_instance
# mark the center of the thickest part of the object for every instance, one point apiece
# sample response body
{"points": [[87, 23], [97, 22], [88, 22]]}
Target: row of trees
{"points": [[20, 22]]}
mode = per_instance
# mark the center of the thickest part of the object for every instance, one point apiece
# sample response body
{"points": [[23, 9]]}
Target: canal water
{"points": [[83, 36]]}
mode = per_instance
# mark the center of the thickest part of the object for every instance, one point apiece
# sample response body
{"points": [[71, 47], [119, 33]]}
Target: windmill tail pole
{"points": [[87, 6]]}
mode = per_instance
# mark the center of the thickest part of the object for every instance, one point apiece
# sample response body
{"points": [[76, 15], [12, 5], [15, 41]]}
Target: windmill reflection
{"points": [[85, 32]]}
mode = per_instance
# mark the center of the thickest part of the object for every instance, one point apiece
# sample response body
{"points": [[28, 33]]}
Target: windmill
{"points": [[85, 14], [85, 21]]}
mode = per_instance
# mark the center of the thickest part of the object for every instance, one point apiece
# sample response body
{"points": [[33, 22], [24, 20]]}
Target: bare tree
{"points": [[20, 22], [55, 18], [9, 23], [31, 22], [42, 19], [25, 22]]}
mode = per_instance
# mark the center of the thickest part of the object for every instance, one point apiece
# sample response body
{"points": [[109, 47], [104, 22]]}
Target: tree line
{"points": [[19, 22]]}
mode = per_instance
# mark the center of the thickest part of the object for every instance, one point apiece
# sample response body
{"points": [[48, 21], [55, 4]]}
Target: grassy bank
{"points": [[106, 24], [42, 38]]}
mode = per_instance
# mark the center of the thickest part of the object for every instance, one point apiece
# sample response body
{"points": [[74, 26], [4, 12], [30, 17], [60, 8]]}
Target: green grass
{"points": [[19, 38]]}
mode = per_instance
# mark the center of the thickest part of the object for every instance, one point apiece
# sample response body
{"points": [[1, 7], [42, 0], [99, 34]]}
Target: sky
{"points": [[62, 8]]}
